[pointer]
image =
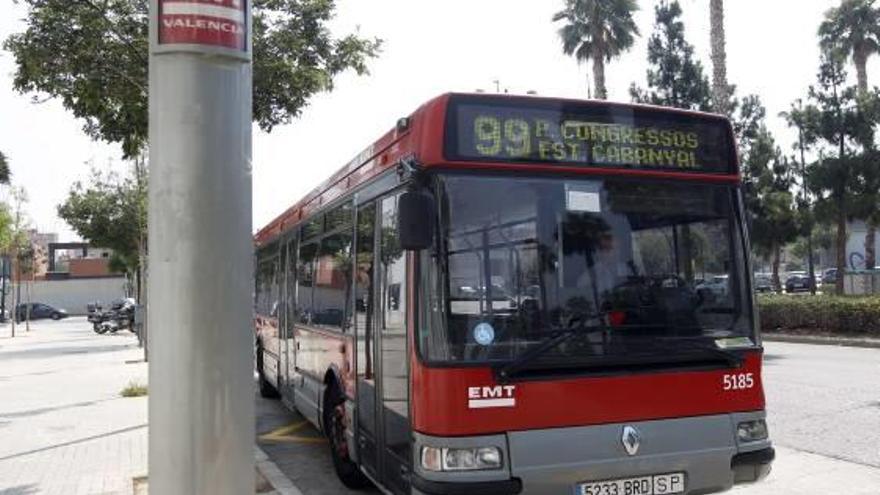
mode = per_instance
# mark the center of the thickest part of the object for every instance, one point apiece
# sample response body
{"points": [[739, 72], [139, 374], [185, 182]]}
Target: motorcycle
{"points": [[120, 316], [97, 317]]}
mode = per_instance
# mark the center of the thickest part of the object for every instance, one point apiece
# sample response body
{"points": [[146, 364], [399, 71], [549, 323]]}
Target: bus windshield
{"points": [[643, 267]]}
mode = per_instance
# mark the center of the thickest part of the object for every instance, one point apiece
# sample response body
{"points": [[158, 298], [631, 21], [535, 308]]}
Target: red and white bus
{"points": [[523, 295]]}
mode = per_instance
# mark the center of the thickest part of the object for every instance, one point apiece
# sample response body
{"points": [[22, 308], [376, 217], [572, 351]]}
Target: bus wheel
{"points": [[334, 425]]}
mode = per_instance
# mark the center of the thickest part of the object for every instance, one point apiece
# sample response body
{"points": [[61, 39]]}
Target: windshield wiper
{"points": [[733, 358], [689, 344], [578, 327]]}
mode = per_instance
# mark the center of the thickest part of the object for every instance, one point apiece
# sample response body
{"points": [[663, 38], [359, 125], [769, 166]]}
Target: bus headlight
{"points": [[751, 431], [466, 459]]}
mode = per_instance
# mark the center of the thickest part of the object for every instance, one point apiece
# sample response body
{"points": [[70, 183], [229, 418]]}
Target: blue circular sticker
{"points": [[484, 334]]}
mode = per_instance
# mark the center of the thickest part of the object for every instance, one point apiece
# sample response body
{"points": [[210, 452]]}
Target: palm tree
{"points": [[720, 89], [853, 29], [597, 30]]}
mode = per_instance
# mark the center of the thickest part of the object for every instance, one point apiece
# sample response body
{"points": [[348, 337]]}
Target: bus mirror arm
{"points": [[415, 220]]}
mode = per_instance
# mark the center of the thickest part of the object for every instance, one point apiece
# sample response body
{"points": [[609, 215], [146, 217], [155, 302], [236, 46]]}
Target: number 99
{"points": [[488, 132], [519, 138], [516, 139]]}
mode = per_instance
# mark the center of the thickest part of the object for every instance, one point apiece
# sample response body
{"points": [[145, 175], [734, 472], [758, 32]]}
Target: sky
{"points": [[429, 48]]}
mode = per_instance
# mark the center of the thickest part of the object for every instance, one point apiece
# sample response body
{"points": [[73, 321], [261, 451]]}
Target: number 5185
{"points": [[739, 381]]}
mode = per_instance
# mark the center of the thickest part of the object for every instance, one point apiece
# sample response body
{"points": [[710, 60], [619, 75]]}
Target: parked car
{"points": [[798, 282], [763, 282], [829, 276], [39, 311], [715, 287]]}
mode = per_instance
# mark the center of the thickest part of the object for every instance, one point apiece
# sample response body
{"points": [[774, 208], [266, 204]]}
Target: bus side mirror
{"points": [[415, 220]]}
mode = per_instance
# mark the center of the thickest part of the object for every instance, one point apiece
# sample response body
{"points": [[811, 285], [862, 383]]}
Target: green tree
{"points": [[842, 123], [14, 242], [769, 201], [597, 31], [6, 229], [748, 118], [93, 57], [6, 236], [5, 174], [794, 119], [5, 232], [823, 239], [111, 211], [853, 29], [675, 78]]}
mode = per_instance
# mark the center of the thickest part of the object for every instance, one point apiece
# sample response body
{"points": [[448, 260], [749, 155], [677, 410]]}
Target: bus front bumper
{"points": [[502, 487], [752, 466], [702, 450]]}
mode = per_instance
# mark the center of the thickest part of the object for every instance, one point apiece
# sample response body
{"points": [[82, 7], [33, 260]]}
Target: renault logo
{"points": [[631, 440]]}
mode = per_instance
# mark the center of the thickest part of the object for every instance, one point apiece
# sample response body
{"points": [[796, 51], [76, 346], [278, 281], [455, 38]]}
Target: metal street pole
{"points": [[201, 372], [3, 276]]}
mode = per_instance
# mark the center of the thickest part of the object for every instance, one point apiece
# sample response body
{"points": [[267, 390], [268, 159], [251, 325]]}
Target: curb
{"points": [[821, 340], [279, 481]]}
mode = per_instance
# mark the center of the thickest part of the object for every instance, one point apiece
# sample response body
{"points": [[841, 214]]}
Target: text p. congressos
{"points": [[586, 142]]}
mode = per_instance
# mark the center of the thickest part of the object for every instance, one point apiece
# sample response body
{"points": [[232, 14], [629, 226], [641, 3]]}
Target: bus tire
{"points": [[334, 426], [267, 391]]}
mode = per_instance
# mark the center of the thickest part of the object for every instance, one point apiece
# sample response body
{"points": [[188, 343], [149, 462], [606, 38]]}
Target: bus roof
{"points": [[430, 135]]}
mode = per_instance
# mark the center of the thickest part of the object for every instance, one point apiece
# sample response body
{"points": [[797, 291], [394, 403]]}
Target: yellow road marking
{"points": [[283, 434]]}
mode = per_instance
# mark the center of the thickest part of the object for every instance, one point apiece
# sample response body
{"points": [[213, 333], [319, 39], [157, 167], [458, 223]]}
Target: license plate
{"points": [[658, 484]]}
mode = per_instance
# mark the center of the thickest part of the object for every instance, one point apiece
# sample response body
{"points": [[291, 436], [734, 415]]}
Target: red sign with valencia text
{"points": [[220, 23]]}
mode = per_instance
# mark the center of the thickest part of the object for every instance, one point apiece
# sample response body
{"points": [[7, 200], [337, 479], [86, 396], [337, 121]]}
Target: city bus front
{"points": [[582, 330]]}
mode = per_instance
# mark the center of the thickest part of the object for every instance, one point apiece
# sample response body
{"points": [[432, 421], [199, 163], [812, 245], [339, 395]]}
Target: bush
{"points": [[825, 314], [134, 389]]}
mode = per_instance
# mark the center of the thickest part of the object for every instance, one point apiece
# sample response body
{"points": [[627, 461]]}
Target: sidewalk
{"points": [[64, 429]]}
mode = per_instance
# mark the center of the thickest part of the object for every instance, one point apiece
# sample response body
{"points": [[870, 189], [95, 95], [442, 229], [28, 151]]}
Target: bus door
{"points": [[287, 356], [365, 341], [396, 457], [384, 432], [267, 313], [281, 315]]}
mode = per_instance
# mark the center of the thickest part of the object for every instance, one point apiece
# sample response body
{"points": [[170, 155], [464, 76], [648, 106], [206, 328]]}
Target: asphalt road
{"points": [[824, 400]]}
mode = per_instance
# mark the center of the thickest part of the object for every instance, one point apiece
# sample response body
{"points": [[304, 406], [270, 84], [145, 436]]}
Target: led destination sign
{"points": [[587, 134]]}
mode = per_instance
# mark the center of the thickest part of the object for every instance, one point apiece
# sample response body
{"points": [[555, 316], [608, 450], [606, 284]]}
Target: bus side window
{"points": [[290, 300], [258, 285], [392, 263], [305, 274], [332, 281], [266, 287]]}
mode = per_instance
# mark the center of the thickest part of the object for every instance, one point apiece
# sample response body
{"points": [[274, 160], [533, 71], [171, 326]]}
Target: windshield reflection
{"points": [[521, 258]]}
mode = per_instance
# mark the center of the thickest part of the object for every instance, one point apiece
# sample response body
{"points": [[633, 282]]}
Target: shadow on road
{"points": [[56, 351], [20, 490], [772, 358], [72, 442], [43, 410], [299, 450]]}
